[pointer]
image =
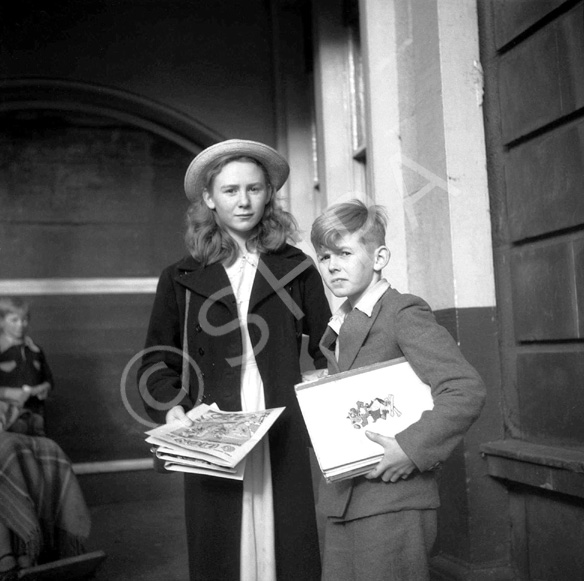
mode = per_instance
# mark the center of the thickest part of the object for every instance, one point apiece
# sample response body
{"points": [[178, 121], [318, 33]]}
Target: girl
{"points": [[25, 376], [238, 307]]}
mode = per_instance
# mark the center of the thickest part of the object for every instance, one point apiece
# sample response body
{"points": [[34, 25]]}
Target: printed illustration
{"points": [[378, 408], [218, 430]]}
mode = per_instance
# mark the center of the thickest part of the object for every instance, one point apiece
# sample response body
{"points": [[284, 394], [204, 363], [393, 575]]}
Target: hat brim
{"points": [[195, 178]]}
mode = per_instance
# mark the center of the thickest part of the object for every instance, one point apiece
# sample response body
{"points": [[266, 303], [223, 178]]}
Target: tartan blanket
{"points": [[40, 499]]}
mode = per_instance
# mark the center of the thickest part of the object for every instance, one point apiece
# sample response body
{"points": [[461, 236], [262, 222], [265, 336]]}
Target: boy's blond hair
{"points": [[346, 218]]}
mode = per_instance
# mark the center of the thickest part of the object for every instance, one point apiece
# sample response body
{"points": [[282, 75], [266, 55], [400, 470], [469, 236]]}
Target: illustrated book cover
{"points": [[385, 398], [216, 444]]}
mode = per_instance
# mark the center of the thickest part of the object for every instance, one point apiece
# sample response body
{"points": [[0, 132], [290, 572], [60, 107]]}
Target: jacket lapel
{"points": [[352, 335], [326, 345]]}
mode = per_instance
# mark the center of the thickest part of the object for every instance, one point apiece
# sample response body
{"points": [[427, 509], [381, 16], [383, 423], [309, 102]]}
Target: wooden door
{"points": [[533, 58]]}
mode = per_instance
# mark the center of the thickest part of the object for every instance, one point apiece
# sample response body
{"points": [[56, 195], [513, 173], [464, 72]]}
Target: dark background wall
{"points": [[89, 194], [209, 60]]}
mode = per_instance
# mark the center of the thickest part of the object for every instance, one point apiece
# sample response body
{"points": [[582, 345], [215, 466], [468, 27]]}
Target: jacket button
{"points": [[198, 328], [201, 351]]}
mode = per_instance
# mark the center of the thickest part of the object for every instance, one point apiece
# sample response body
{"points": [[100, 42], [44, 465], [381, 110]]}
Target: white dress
{"points": [[258, 557]]}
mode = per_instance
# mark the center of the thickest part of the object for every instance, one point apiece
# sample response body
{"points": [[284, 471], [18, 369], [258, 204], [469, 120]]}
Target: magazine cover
{"points": [[216, 441], [385, 398]]}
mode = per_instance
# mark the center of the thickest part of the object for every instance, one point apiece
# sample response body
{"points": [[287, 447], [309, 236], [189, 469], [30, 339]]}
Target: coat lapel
{"points": [[210, 281], [274, 273]]}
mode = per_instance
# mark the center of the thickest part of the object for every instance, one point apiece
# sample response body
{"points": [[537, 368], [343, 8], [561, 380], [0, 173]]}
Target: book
{"points": [[216, 444], [384, 398]]}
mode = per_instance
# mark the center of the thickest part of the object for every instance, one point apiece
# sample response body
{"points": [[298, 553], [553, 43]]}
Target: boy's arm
{"points": [[457, 389]]}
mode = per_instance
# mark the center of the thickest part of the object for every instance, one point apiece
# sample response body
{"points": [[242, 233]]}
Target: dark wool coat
{"points": [[287, 301]]}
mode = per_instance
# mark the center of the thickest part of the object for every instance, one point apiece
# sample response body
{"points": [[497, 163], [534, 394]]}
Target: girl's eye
{"points": [[345, 253], [323, 257]]}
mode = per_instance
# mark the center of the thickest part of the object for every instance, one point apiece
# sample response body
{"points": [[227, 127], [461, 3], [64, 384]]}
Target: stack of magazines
{"points": [[216, 444], [384, 398]]}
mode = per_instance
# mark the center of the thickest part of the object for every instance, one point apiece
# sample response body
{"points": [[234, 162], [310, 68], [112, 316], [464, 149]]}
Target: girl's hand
{"points": [[16, 395], [394, 465], [178, 413], [41, 390]]}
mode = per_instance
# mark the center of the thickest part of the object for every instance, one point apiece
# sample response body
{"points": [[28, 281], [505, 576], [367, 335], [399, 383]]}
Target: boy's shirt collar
{"points": [[366, 305]]}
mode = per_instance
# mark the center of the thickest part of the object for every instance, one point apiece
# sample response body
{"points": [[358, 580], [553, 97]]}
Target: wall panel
{"points": [[544, 292], [545, 181], [556, 523], [514, 18], [542, 78], [551, 396]]}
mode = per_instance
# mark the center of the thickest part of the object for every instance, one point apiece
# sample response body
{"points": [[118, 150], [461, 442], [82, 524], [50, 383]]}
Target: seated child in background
{"points": [[383, 525], [25, 377]]}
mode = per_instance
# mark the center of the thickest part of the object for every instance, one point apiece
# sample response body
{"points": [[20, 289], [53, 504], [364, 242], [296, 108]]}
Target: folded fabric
{"points": [[40, 498], [9, 411]]}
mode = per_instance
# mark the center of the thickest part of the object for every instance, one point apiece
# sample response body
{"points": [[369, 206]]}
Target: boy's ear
{"points": [[381, 258]]}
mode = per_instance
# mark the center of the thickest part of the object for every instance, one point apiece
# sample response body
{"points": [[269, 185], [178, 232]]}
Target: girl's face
{"points": [[238, 196], [14, 326]]}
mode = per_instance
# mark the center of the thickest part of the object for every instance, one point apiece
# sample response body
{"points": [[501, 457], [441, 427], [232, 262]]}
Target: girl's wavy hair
{"points": [[209, 243], [344, 219], [9, 305]]}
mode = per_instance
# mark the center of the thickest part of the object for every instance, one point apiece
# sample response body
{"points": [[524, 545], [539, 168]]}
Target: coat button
{"points": [[201, 351], [198, 328]]}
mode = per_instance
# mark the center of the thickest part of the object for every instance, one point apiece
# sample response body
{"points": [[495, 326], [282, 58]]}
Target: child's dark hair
{"points": [[344, 219], [10, 305]]}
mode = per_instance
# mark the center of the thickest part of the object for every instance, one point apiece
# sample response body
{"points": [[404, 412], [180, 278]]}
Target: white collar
{"points": [[366, 304]]}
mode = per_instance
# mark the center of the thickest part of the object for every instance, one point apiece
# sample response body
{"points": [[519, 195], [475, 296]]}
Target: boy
{"points": [[383, 525]]}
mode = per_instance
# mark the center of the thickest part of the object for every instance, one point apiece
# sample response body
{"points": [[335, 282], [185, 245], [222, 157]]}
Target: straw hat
{"points": [[276, 166]]}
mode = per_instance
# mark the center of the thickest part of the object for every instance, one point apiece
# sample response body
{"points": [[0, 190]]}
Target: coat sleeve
{"points": [[457, 389], [159, 375], [45, 372], [317, 313]]}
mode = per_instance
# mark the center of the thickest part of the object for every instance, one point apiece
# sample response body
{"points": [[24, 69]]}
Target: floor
{"points": [[139, 522]]}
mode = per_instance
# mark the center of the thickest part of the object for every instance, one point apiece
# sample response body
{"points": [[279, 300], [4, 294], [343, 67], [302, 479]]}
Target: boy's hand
{"points": [[395, 463]]}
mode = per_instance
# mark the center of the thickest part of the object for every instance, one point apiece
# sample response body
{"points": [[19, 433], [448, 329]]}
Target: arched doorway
{"points": [[92, 210]]}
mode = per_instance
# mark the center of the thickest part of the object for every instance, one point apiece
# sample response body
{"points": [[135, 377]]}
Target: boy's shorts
{"points": [[393, 546]]}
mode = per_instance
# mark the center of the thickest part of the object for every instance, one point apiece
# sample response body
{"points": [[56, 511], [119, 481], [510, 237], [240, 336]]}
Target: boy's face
{"points": [[351, 269], [14, 326]]}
